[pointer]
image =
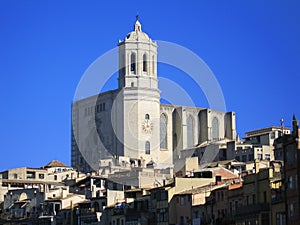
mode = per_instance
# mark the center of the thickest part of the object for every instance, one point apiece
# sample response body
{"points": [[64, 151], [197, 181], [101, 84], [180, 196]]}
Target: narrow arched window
{"points": [[133, 63], [145, 64], [147, 148], [147, 117], [215, 129], [163, 131], [190, 131]]}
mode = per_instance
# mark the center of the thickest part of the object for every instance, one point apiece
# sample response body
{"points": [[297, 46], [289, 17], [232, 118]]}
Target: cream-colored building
{"points": [[131, 122], [257, 144]]}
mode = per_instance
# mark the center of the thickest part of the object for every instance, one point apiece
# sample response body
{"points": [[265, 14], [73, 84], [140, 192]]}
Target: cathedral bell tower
{"points": [[137, 60], [139, 97]]}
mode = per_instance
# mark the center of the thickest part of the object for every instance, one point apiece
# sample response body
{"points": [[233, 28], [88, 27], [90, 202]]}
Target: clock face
{"points": [[147, 126]]}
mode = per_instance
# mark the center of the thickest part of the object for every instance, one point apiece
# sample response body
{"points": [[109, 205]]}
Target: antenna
{"points": [[282, 125]]}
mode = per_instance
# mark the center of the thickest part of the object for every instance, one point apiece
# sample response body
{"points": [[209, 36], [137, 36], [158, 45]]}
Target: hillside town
{"points": [[135, 161], [256, 184]]}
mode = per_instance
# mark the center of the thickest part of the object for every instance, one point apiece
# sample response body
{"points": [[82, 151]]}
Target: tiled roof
{"points": [[55, 163]]}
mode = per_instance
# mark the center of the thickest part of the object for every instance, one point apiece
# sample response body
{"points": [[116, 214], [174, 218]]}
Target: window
{"points": [[259, 156], [163, 196], [55, 177], [190, 131], [280, 218], [41, 176], [30, 175], [163, 131], [182, 200], [162, 215], [145, 63], [292, 182], [215, 129], [96, 207], [272, 135], [103, 106], [181, 220], [267, 157], [133, 63], [147, 117], [293, 210], [251, 157], [244, 158], [147, 148], [57, 207], [291, 155]]}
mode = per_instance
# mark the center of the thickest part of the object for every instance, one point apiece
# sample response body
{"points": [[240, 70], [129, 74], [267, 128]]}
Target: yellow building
{"points": [[258, 188]]}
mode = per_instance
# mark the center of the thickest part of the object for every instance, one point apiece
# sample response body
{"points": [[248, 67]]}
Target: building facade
{"points": [[287, 148], [257, 144], [131, 122]]}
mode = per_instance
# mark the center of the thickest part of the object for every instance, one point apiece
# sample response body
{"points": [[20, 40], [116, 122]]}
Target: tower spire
{"points": [[137, 25]]}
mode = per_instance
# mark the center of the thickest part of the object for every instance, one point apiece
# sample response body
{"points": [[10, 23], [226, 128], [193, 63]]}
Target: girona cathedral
{"points": [[130, 125]]}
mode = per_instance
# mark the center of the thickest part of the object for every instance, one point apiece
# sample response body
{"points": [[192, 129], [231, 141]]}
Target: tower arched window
{"points": [[133, 63], [163, 131], [147, 148], [145, 63], [190, 131], [215, 129], [147, 117]]}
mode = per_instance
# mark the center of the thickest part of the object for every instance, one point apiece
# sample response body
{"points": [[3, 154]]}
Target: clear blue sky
{"points": [[252, 47]]}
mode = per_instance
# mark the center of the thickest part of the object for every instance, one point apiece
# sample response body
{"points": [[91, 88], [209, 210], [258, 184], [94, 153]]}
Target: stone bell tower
{"points": [[139, 97]]}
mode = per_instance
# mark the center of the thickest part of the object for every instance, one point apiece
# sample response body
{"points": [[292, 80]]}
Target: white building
{"points": [[131, 122]]}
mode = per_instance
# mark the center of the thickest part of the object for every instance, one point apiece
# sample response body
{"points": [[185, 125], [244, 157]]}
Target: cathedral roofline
{"points": [[191, 107], [97, 95]]}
